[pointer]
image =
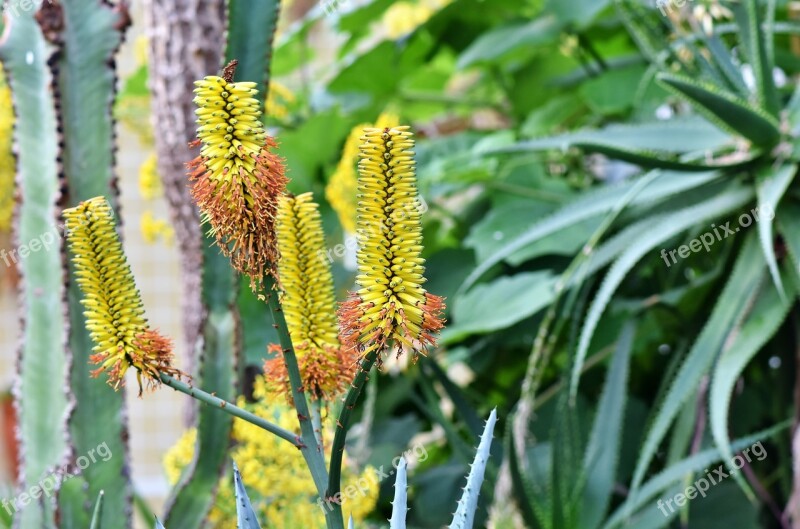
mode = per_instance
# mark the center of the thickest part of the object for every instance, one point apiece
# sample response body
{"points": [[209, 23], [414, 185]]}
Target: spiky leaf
{"points": [[468, 504], [726, 109]]}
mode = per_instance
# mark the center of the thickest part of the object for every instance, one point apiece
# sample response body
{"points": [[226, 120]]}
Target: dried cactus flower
{"points": [[113, 306], [237, 179], [308, 303], [342, 188], [391, 307]]}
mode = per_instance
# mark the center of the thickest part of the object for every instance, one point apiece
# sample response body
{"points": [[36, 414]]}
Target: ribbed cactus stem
{"points": [[468, 504], [400, 503]]}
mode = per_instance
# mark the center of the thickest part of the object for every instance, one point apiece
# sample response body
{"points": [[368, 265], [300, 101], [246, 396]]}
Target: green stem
{"points": [[342, 426], [232, 409], [312, 451]]}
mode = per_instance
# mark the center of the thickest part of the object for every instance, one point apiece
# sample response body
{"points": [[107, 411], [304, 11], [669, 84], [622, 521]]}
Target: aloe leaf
{"points": [[400, 503], [602, 453], [98, 512], [676, 473], [766, 317], [758, 46], [789, 228], [679, 144], [602, 200], [41, 398], [86, 79], [663, 228], [245, 516], [531, 507], [770, 189], [730, 308], [724, 62], [726, 109], [468, 504]]}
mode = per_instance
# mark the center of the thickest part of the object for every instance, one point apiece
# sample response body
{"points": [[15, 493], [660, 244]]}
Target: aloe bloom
{"points": [[114, 313], [391, 307], [237, 179], [308, 303]]}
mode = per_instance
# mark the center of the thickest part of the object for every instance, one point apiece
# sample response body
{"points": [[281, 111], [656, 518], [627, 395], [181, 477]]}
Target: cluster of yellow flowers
{"points": [[7, 164], [278, 483], [404, 17], [342, 189]]}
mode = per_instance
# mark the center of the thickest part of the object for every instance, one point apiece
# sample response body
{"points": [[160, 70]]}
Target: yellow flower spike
{"points": [[309, 303], [7, 162], [237, 179], [391, 307], [342, 188], [113, 306]]}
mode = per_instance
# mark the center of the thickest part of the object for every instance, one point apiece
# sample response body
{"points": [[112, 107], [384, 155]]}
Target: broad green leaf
{"points": [[730, 308], [761, 324], [789, 228], [663, 185], [576, 12], [664, 227], [510, 299], [770, 188], [602, 453], [726, 109], [491, 46], [614, 91]]}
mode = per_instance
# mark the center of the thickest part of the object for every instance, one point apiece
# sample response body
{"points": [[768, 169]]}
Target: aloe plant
{"points": [[464, 516], [734, 154]]}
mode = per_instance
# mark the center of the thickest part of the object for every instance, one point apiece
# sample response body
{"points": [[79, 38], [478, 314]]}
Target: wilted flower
{"points": [[237, 179], [391, 307], [114, 313], [308, 303]]}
